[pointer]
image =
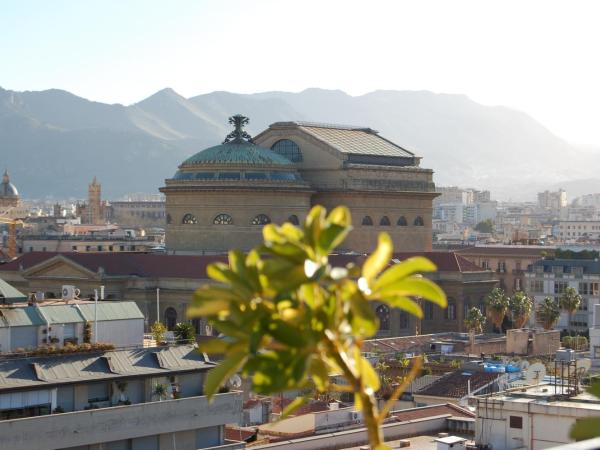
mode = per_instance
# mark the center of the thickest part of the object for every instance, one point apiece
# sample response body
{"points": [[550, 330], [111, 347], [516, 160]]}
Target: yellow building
{"points": [[222, 196]]}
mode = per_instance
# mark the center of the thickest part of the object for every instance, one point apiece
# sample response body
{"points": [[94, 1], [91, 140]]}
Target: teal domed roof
{"points": [[238, 153], [238, 149]]}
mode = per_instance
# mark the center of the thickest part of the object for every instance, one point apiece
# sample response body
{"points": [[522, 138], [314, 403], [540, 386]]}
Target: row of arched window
{"points": [[385, 221], [226, 219]]}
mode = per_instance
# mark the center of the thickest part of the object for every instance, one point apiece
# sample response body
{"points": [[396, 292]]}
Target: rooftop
{"points": [[45, 371], [456, 384]]}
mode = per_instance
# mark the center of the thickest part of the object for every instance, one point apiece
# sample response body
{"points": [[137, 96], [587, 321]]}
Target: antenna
{"points": [[535, 373]]}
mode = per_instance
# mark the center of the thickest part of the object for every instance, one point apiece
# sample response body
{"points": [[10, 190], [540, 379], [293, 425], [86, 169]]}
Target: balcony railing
{"points": [[94, 426]]}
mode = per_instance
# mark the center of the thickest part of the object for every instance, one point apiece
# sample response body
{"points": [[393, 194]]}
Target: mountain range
{"points": [[54, 142]]}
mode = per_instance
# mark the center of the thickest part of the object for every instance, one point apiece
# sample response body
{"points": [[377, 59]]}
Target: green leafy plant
{"points": [[474, 322], [569, 301], [520, 305], [548, 313], [497, 303], [158, 331], [185, 333], [160, 390], [290, 316]]}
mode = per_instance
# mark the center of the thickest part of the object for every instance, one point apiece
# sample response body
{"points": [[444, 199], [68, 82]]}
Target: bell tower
{"points": [[94, 209]]}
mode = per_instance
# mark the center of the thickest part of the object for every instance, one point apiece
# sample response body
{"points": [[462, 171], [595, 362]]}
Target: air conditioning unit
{"points": [[69, 292]]}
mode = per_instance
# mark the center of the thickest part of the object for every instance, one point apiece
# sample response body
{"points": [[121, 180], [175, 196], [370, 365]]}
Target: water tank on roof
{"points": [[565, 355]]}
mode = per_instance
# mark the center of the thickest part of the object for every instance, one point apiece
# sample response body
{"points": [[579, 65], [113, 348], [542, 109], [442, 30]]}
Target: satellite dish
{"points": [[235, 381], [535, 373]]}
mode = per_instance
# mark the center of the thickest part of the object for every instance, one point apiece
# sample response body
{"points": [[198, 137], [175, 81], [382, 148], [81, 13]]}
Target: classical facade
{"points": [[222, 196]]}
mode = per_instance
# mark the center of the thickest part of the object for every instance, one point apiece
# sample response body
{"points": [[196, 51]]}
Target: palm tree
{"points": [[474, 322], [548, 313], [569, 301], [497, 303], [520, 306]]}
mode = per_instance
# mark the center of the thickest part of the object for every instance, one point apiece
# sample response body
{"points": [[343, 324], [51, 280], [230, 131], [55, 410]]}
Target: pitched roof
{"points": [[148, 265], [434, 410], [524, 251], [72, 368], [9, 293], [143, 265], [20, 317], [111, 310], [62, 313], [456, 384], [354, 142]]}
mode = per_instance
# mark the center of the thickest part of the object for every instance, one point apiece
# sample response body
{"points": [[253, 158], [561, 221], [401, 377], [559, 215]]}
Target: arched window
{"points": [[189, 219], [428, 311], [403, 319], [288, 149], [367, 221], [418, 221], [385, 221], [170, 318], [169, 219], [261, 219], [223, 219], [383, 314], [402, 222], [293, 219]]}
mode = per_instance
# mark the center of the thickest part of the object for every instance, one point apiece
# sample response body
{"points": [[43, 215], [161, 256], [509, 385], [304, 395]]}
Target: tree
{"points": [[548, 313], [158, 331], [474, 322], [497, 303], [185, 333], [486, 226], [569, 301], [520, 305], [290, 316]]}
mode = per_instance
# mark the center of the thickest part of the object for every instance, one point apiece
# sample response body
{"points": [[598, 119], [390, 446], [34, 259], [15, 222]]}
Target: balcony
{"points": [[93, 426]]}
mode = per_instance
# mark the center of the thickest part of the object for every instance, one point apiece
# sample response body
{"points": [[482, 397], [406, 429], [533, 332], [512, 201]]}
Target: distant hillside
{"points": [[53, 142]]}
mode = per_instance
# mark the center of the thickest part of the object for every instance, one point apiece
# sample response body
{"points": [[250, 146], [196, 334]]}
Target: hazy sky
{"points": [[538, 56]]}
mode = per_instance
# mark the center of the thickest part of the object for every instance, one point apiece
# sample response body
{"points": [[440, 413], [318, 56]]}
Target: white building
{"points": [[530, 418], [572, 230]]}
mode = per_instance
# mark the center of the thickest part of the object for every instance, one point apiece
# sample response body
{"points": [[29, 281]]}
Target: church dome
{"points": [[245, 153], [7, 189]]}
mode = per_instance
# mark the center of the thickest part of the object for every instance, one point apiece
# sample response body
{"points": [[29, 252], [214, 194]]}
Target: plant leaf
{"points": [[223, 371], [415, 287], [293, 406], [404, 269], [213, 346], [379, 259]]}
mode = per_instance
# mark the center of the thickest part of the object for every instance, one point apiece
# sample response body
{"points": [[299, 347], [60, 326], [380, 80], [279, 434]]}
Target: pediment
{"points": [[59, 267]]}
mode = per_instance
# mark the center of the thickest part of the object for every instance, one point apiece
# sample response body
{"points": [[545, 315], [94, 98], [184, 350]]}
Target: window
{"points": [[451, 310], [367, 221], [501, 266], [256, 175], [560, 286], [428, 311], [402, 222], [385, 221], [516, 422], [169, 219], [261, 219], [288, 149], [223, 219], [189, 219], [419, 222], [293, 219], [230, 175], [383, 314], [170, 318], [403, 319], [536, 286]]}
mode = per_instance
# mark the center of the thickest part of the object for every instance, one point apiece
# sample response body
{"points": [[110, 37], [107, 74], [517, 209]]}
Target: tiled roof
{"points": [[125, 264], [148, 265], [430, 411], [505, 250], [60, 369], [456, 384]]}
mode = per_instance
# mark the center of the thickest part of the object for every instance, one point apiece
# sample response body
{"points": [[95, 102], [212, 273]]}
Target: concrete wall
{"points": [[121, 422], [354, 438], [121, 333], [517, 341]]}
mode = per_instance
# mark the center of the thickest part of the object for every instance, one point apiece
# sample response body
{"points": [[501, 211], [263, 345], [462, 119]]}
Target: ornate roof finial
{"points": [[238, 135]]}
